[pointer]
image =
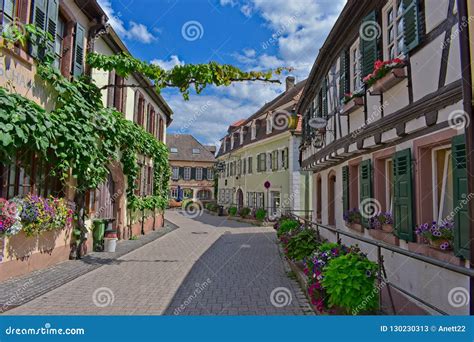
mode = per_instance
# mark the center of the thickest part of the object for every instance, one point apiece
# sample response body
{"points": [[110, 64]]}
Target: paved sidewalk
{"points": [[20, 290], [236, 268]]}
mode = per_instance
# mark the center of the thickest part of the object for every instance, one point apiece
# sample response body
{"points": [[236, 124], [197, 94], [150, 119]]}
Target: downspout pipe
{"points": [[463, 27]]}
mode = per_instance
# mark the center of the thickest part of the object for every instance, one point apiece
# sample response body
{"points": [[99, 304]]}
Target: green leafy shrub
{"points": [[244, 212], [211, 206], [286, 226], [349, 280], [260, 214], [233, 211], [302, 245]]}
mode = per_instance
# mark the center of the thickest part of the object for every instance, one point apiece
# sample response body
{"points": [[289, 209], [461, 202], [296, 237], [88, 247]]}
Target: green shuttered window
{"points": [[411, 24], [460, 205], [368, 46], [403, 195], [365, 176], [345, 188]]}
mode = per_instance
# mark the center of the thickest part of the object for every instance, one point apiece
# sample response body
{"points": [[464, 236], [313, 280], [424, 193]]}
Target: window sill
{"points": [[18, 54], [384, 237], [394, 77], [352, 105], [427, 250]]}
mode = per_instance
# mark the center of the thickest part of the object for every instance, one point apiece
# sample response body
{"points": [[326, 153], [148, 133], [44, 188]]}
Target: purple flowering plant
{"points": [[353, 216], [438, 232], [382, 218]]}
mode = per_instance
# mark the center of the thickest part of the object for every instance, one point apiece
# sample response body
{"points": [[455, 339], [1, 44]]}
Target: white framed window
{"points": [[196, 151], [199, 173], [174, 192], [187, 173], [389, 185], [241, 137], [269, 124], [232, 141], [253, 132], [210, 173], [175, 173], [269, 161], [442, 183], [393, 33], [355, 70], [173, 150]]}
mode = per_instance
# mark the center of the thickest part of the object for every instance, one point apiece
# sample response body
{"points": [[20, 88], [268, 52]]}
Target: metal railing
{"points": [[381, 275]]}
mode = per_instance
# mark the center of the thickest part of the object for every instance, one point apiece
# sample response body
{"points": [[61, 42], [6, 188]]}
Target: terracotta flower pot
{"points": [[355, 226], [437, 243], [388, 228]]}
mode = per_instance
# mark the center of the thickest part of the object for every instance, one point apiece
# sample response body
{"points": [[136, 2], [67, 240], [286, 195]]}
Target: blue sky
{"points": [[252, 34]]}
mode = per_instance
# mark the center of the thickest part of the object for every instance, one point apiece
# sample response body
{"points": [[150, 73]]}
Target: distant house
{"points": [[192, 168], [263, 149]]}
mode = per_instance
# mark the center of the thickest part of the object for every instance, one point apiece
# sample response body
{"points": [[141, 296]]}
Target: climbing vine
{"points": [[82, 136]]}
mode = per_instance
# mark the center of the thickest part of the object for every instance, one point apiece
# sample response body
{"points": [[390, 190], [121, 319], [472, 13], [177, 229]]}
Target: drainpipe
{"points": [[463, 16]]}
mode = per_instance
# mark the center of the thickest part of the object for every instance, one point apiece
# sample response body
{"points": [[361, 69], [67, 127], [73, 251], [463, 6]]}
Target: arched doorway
{"points": [[240, 199], [332, 198]]}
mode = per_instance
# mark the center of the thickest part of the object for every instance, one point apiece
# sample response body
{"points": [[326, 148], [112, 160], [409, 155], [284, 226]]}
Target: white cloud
{"points": [[246, 10], [299, 29], [135, 31], [169, 64]]}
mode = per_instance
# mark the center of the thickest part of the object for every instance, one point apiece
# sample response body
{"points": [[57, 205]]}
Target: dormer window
{"points": [[196, 151], [269, 124], [232, 142], [173, 150], [253, 131], [241, 136]]}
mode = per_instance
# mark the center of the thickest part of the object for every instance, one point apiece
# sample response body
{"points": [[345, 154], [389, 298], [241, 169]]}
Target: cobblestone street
{"points": [[208, 266]]}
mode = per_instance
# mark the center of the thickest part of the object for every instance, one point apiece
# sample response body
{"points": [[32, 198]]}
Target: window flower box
{"points": [[353, 220], [394, 77], [386, 74], [352, 102], [386, 237]]}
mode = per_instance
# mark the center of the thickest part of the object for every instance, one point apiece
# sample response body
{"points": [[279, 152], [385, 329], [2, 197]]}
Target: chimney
{"points": [[290, 82]]}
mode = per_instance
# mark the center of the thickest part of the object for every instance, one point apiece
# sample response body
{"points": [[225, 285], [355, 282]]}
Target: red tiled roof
{"points": [[237, 123]]}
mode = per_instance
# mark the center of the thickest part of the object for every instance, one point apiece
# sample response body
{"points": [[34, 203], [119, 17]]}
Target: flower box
{"points": [[355, 226], [386, 237], [353, 104], [394, 77], [387, 228]]}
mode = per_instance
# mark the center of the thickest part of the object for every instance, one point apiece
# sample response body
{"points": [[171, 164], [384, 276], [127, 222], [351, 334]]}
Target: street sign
{"points": [[317, 123]]}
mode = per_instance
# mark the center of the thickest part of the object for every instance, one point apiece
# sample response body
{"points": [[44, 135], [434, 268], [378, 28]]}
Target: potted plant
{"points": [[383, 221], [439, 234], [244, 212], [110, 241], [385, 75], [260, 214], [353, 219], [352, 101]]}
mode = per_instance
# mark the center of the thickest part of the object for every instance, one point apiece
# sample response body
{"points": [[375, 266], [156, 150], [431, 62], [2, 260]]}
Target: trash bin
{"points": [[221, 210], [110, 241], [98, 235]]}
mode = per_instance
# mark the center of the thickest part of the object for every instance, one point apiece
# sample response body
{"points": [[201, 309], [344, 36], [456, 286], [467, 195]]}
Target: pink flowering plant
{"points": [[438, 233], [382, 68], [38, 214], [349, 96], [10, 221]]}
